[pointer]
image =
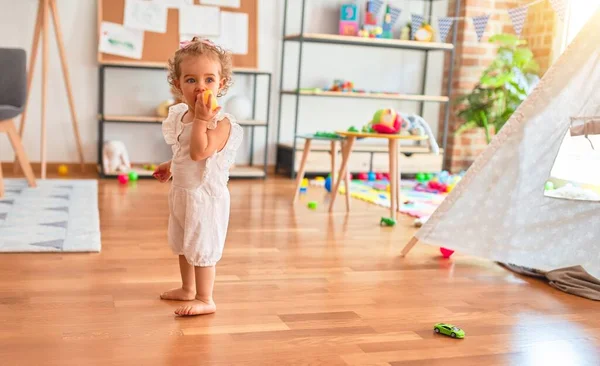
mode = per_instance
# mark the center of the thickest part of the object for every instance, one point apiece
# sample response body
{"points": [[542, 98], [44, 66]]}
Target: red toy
{"points": [[386, 121], [446, 252]]}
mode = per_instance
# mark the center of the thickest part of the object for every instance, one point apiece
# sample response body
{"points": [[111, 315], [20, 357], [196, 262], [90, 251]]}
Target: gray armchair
{"points": [[13, 96]]}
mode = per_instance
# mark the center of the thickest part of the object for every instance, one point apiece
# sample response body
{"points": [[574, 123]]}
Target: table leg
{"points": [[399, 174], [346, 151], [393, 177], [333, 156], [302, 170]]}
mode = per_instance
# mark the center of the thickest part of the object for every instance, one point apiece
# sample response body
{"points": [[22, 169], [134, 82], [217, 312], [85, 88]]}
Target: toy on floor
{"points": [[63, 169], [312, 205], [123, 178], [387, 221], [328, 183], [133, 176], [446, 253], [304, 185], [449, 330]]}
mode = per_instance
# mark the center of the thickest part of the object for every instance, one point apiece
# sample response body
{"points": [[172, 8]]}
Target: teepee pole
{"points": [[413, 241]]}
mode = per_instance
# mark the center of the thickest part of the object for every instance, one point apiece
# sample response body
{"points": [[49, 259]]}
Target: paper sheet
{"points": [[225, 3], [145, 15], [175, 4], [200, 20], [115, 39], [234, 32]]}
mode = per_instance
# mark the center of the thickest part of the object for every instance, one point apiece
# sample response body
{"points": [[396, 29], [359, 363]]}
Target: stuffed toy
{"points": [[115, 157], [386, 121]]}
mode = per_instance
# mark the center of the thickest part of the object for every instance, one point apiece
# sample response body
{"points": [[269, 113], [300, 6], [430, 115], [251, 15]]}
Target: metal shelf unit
{"points": [[250, 171], [307, 38]]}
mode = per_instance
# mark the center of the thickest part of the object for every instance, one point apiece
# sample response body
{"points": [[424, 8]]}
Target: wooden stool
{"points": [[307, 143]]}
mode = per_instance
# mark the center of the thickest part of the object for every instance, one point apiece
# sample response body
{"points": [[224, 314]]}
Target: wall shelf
{"points": [[287, 152], [386, 96], [250, 171], [369, 42]]}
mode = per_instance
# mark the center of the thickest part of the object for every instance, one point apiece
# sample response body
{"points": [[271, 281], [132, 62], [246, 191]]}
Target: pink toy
{"points": [[123, 178], [362, 176], [446, 252], [379, 176]]}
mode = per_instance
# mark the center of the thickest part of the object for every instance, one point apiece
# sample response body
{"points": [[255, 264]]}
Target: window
{"points": [[575, 174]]}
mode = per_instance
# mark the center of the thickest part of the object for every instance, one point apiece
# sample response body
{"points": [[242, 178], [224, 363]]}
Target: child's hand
{"points": [[204, 111], [163, 172]]}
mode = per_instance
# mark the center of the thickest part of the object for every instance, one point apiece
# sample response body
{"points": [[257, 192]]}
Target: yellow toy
{"points": [[63, 169], [205, 96], [425, 33]]}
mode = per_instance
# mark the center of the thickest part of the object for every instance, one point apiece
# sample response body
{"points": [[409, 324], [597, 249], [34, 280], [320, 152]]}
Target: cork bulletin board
{"points": [[158, 47]]}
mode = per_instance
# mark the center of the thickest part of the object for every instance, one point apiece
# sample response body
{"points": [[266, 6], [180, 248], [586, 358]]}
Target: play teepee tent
{"points": [[499, 210]]}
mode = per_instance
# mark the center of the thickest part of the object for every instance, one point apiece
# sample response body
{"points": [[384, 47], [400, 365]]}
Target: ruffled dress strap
{"points": [[171, 125]]}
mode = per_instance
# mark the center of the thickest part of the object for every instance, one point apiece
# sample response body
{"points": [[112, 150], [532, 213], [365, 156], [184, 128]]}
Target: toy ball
{"points": [[549, 186], [379, 176], [312, 205], [63, 169], [362, 176], [123, 178], [443, 177], [421, 177], [372, 176], [446, 253], [133, 176]]}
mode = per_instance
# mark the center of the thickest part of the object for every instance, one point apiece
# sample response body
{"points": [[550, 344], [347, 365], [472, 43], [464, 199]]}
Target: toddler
{"points": [[204, 142]]}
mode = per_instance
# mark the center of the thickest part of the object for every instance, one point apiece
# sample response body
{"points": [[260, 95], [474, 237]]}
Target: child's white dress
{"points": [[199, 199]]}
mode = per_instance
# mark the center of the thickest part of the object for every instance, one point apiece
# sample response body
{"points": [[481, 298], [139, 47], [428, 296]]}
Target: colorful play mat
{"points": [[413, 202]]}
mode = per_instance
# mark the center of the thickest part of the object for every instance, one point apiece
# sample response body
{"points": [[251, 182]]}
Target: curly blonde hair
{"points": [[197, 47]]}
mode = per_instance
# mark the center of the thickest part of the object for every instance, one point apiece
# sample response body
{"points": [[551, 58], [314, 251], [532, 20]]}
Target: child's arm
{"points": [[205, 142]]}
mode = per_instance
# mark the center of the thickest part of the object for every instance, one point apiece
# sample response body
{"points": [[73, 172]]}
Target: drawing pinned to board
{"points": [[234, 32], [145, 15], [115, 39], [175, 4], [200, 20], [223, 3]]}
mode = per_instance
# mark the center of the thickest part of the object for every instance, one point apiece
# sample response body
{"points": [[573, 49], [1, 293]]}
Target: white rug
{"points": [[58, 216]]}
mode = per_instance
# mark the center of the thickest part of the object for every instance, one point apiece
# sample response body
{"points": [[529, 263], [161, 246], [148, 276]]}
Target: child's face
{"points": [[199, 73]]}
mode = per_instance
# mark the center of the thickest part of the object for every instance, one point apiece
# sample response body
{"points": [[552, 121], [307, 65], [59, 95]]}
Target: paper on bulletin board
{"points": [[115, 39], [175, 4], [224, 3], [234, 32], [200, 20], [145, 15]]}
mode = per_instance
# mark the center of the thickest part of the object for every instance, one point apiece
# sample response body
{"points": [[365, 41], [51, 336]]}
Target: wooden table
{"points": [[350, 138], [301, 171]]}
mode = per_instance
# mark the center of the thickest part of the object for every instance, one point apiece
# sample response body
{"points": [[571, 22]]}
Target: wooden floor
{"points": [[295, 287]]}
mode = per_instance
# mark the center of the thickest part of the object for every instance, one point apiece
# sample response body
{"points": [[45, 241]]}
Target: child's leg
{"points": [[204, 304], [187, 291]]}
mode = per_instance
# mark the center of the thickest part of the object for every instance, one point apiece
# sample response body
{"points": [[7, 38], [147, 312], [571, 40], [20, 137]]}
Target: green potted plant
{"points": [[501, 88]]}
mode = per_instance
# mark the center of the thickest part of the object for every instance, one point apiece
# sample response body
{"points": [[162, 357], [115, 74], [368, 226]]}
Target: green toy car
{"points": [[449, 330]]}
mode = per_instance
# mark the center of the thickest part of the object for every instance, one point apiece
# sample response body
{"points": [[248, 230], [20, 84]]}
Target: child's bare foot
{"points": [[179, 294], [198, 307]]}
